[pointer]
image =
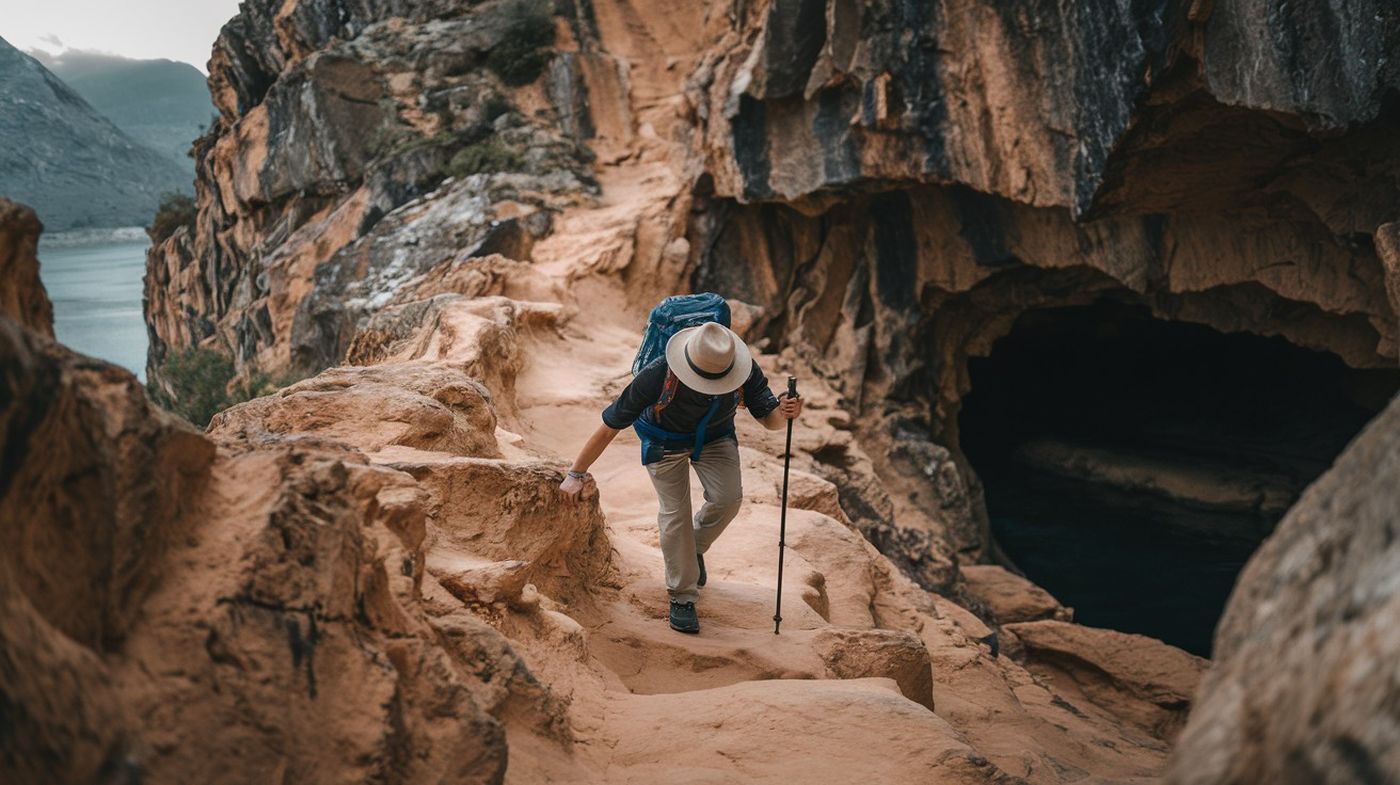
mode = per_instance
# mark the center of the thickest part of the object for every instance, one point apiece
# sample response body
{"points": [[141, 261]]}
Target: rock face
{"points": [[895, 186], [178, 610], [1304, 685], [22, 295], [353, 151], [242, 607], [68, 162]]}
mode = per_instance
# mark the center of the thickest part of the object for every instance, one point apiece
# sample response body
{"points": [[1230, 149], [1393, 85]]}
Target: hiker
{"points": [[682, 406]]}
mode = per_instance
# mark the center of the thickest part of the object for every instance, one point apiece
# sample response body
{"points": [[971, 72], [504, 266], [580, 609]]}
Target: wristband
{"points": [[578, 475]]}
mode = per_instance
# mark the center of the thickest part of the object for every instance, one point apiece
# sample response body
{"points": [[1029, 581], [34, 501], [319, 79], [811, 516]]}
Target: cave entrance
{"points": [[1131, 465]]}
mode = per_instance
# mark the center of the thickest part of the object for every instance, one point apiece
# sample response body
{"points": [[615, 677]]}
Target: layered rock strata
{"points": [[894, 186]]}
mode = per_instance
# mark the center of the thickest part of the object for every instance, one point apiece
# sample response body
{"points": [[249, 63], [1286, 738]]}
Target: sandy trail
{"points": [[847, 692], [862, 651]]}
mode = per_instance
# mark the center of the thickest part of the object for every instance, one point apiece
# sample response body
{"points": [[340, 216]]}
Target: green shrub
{"points": [[198, 382], [201, 384], [489, 155], [525, 48], [175, 210]]}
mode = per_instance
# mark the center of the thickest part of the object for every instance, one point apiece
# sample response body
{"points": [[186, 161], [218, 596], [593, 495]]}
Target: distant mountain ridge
{"points": [[162, 104], [72, 165]]}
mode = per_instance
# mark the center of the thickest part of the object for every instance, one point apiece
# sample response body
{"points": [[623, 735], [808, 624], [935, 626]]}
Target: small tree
{"points": [[525, 48], [198, 381], [175, 210]]}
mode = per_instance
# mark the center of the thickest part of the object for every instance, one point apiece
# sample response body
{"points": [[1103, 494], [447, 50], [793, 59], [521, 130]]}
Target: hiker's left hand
{"points": [[790, 408]]}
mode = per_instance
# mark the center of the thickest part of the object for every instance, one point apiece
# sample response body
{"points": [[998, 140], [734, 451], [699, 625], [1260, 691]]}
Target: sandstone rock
{"points": [[793, 734], [1134, 678], [22, 294], [1010, 597], [68, 724], [480, 336], [96, 485], [290, 625], [893, 654], [1303, 688], [175, 612], [397, 404], [1388, 246], [379, 143], [482, 276], [497, 525]]}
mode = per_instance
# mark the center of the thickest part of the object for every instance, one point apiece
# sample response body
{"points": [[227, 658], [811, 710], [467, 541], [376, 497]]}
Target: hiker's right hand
{"points": [[572, 488]]}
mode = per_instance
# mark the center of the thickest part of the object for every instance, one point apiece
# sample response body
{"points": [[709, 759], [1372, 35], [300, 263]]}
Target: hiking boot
{"points": [[683, 618], [700, 557]]}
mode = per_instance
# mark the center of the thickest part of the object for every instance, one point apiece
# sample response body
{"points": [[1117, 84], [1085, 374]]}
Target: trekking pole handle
{"points": [[792, 386]]}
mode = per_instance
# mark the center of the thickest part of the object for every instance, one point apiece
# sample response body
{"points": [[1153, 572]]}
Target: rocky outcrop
{"points": [[1132, 677], [1009, 597], [893, 187], [354, 151], [370, 409], [179, 609], [1303, 689], [1013, 99], [22, 294]]}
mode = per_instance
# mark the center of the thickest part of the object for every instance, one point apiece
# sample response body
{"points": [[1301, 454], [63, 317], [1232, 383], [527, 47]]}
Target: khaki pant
{"points": [[681, 535]]}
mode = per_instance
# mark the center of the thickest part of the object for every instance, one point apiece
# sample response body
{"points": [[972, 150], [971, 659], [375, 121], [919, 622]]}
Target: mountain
{"points": [[162, 104], [74, 166]]}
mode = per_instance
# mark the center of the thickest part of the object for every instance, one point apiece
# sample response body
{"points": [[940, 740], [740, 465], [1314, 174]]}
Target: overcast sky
{"points": [[173, 29]]}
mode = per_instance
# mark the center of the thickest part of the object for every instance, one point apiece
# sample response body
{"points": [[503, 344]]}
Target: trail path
{"points": [[872, 680]]}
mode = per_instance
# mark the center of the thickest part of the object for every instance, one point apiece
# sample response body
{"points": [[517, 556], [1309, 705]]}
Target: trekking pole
{"points": [[782, 517]]}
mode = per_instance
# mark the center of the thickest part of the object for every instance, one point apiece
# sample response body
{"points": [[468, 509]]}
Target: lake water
{"points": [[96, 292]]}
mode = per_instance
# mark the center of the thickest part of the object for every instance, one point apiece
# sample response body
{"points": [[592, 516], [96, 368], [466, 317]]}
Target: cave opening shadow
{"points": [[1131, 465]]}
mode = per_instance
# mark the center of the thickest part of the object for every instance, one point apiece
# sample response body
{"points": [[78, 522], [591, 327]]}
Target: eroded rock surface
{"points": [[22, 295], [180, 608], [1304, 687]]}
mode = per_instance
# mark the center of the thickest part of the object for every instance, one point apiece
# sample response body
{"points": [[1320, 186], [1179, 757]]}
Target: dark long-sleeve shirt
{"points": [[684, 412]]}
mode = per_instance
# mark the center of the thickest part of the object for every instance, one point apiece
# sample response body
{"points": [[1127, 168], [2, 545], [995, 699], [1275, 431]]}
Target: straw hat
{"points": [[709, 359]]}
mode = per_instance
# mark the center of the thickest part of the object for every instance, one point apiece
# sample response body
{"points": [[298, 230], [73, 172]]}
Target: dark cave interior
{"points": [[1131, 465]]}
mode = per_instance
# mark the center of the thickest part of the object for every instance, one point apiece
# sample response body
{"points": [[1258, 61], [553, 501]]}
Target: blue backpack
{"points": [[673, 315]]}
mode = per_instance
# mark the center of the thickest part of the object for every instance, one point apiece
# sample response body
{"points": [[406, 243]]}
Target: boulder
{"points": [[416, 405], [1304, 684], [1131, 677], [1010, 597]]}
